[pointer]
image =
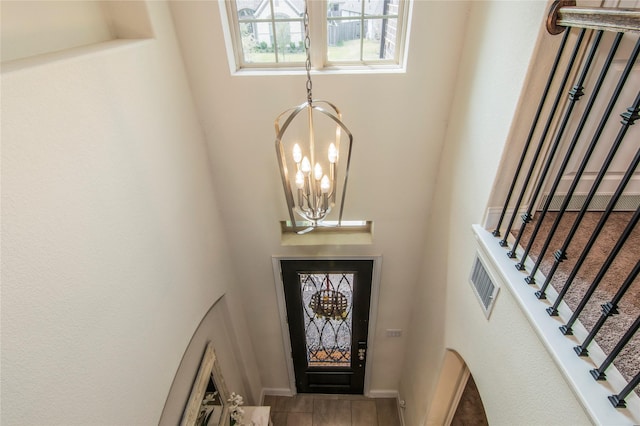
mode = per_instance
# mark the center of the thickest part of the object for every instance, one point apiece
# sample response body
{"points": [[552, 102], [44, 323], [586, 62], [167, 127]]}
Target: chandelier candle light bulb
{"points": [[297, 154], [333, 159], [305, 166], [317, 171], [333, 153], [300, 186], [325, 185]]}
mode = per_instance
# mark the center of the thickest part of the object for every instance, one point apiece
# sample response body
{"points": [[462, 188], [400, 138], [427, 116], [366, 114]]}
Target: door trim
{"points": [[373, 312]]}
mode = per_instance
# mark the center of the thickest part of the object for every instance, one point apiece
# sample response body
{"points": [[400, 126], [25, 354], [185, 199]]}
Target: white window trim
{"points": [[318, 56]]}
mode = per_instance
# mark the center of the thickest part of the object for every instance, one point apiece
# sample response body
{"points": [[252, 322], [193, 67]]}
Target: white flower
{"points": [[236, 399], [237, 414], [235, 411]]}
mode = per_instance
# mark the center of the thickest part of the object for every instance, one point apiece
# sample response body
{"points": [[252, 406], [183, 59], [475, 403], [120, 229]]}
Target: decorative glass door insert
{"points": [[327, 304]]}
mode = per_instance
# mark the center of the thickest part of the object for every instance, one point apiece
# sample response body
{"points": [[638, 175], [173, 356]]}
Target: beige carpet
{"points": [[628, 362]]}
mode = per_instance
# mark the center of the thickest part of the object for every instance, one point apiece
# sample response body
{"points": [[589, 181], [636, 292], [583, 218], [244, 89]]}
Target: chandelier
{"points": [[313, 167]]}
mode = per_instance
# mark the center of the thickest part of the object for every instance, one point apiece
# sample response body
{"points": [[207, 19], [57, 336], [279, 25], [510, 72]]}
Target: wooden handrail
{"points": [[565, 13]]}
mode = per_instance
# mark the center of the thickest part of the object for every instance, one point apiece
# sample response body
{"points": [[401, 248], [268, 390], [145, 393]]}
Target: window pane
{"points": [[344, 8], [246, 8], [380, 39], [257, 45], [296, 5], [271, 31], [390, 38], [343, 40], [290, 39], [350, 38], [372, 34], [376, 7]]}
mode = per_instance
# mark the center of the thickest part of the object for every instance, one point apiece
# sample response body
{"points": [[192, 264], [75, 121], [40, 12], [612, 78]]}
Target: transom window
{"points": [[270, 33]]}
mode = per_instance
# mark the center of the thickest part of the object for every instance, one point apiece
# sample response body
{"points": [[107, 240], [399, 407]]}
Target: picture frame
{"points": [[207, 404]]}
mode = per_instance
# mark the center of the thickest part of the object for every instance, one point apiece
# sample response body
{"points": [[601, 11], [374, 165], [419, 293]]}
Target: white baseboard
{"points": [[382, 393], [492, 216], [626, 202], [275, 392], [278, 392]]}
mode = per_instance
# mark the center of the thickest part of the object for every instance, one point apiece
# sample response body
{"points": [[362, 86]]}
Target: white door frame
{"points": [[373, 311]]}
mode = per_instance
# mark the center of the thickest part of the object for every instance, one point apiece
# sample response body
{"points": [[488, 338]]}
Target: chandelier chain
{"points": [[307, 45]]}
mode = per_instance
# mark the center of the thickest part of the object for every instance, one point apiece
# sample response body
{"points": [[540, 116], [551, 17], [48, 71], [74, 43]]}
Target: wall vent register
{"points": [[483, 286]]}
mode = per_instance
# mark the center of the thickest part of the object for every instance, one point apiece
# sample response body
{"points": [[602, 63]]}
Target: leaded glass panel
{"points": [[327, 304]]}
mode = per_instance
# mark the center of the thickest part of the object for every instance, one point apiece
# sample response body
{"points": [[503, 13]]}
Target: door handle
{"points": [[362, 350]]}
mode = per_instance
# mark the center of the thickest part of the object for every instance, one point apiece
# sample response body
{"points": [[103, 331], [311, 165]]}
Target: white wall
{"points": [[112, 243], [517, 379], [60, 25]]}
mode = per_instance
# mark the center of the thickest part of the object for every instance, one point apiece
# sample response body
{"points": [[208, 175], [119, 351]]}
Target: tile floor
{"points": [[332, 410]]}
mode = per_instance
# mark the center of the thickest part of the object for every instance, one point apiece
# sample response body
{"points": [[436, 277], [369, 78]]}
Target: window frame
{"points": [[318, 34]]}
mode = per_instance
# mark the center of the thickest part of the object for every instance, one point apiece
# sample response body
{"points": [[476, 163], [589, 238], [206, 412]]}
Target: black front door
{"points": [[328, 315]]}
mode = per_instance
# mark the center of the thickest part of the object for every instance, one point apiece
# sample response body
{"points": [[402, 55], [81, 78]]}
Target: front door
{"points": [[328, 315]]}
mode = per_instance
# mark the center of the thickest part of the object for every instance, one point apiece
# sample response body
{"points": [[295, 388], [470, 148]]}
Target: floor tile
{"points": [[331, 412], [299, 419], [269, 400], [279, 418], [387, 411], [364, 413], [301, 403], [283, 403]]}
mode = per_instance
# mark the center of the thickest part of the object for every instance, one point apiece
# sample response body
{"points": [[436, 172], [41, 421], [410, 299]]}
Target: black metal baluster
{"points": [[628, 119], [566, 329], [536, 155], [599, 373], [574, 96], [525, 150], [576, 180], [618, 400], [560, 255], [526, 218], [608, 309]]}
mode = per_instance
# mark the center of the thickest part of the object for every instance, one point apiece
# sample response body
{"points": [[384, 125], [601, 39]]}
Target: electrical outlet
{"points": [[394, 333]]}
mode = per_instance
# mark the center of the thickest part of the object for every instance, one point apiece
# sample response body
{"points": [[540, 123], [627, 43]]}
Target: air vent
{"points": [[483, 286]]}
